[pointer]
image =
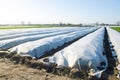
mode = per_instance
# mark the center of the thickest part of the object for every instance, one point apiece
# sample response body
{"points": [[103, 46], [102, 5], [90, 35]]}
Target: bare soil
{"points": [[10, 71]]}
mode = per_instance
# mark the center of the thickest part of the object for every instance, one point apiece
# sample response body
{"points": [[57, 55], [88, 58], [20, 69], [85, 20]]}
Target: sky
{"points": [[56, 11]]}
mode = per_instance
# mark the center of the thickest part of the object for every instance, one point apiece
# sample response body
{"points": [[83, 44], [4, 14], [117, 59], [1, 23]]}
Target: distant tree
{"points": [[102, 24], [68, 24], [29, 23], [97, 24], [60, 23], [22, 23], [80, 25], [118, 23]]}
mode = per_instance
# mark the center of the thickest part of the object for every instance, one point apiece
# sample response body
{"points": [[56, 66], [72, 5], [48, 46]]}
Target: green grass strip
{"points": [[22, 27], [117, 28]]}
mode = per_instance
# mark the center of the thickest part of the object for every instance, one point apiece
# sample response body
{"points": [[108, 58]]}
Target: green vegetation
{"points": [[22, 27], [117, 28]]}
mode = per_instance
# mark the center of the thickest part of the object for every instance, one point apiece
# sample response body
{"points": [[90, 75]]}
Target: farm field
{"points": [[59, 40], [70, 52]]}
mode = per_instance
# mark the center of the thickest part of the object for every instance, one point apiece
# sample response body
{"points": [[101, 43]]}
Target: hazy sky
{"points": [[55, 11]]}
